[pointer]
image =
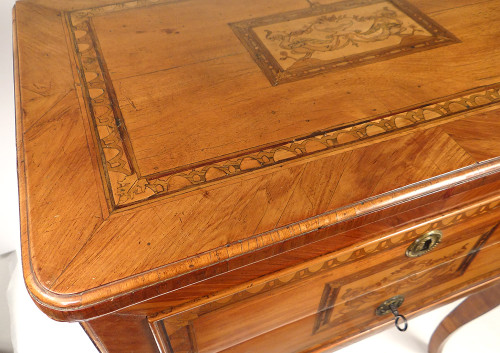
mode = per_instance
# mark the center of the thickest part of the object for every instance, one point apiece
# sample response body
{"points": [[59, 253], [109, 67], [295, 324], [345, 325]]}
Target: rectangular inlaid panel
{"points": [[294, 45], [211, 113]]}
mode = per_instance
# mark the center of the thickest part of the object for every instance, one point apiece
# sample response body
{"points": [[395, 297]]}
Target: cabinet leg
{"points": [[471, 308], [117, 333]]}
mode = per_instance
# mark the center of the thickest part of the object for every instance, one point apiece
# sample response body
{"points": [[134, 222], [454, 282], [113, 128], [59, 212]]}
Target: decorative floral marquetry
{"points": [[316, 40], [299, 44], [322, 32]]}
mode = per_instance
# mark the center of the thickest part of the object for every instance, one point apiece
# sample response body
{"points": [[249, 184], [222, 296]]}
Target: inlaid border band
{"points": [[121, 175]]}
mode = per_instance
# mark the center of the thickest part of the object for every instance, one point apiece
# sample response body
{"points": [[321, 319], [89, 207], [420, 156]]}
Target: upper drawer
{"points": [[316, 286]]}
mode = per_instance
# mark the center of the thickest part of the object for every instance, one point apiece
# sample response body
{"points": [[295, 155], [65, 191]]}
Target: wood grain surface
{"points": [[270, 313], [154, 153]]}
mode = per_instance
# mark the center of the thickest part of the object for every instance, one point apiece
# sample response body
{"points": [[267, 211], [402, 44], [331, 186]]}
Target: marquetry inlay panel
{"points": [[299, 44], [361, 27]]}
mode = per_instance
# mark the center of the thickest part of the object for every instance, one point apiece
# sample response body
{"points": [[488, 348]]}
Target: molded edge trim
{"points": [[97, 302]]}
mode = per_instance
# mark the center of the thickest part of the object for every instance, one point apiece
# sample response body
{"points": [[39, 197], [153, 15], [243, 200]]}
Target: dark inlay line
{"points": [[325, 309], [475, 250], [110, 90]]}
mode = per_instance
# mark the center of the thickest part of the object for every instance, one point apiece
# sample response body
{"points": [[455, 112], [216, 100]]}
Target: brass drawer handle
{"points": [[391, 306], [424, 243]]}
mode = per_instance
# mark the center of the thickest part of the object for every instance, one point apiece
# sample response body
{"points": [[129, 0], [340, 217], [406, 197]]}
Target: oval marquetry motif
{"points": [[313, 146], [344, 257], [255, 289], [371, 247], [316, 267], [90, 76], [83, 47], [397, 238], [177, 182], [79, 33], [402, 122], [101, 110], [346, 137], [214, 173], [249, 163], [281, 155], [480, 100], [372, 130], [103, 130], [431, 114], [96, 92], [287, 278], [456, 107]]}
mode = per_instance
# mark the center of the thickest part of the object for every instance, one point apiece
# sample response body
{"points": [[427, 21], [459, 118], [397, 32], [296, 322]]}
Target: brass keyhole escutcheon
{"points": [[385, 307], [391, 306], [425, 243]]}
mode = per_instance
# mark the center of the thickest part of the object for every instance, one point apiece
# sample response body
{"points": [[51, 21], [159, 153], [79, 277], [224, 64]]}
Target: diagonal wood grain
{"points": [[66, 160], [479, 134], [51, 117], [43, 54], [173, 230]]}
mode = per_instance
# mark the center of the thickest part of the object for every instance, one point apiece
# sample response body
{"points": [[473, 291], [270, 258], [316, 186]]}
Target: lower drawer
{"points": [[335, 297], [356, 316]]}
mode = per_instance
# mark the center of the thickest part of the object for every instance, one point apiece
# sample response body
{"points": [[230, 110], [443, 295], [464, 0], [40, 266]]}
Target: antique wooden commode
{"points": [[255, 176]]}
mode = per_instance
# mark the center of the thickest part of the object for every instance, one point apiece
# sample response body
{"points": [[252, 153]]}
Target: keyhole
{"points": [[427, 245], [424, 243]]}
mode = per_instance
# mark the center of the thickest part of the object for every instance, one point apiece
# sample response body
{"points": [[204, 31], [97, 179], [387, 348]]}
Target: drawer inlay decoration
{"points": [[126, 186], [299, 44], [348, 294], [476, 249], [354, 297], [348, 257], [326, 305], [354, 255]]}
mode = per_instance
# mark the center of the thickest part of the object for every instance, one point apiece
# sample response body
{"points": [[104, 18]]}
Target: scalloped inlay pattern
{"points": [[122, 176]]}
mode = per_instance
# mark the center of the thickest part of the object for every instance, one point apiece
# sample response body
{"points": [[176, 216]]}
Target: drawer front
{"points": [[325, 292], [356, 316]]}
